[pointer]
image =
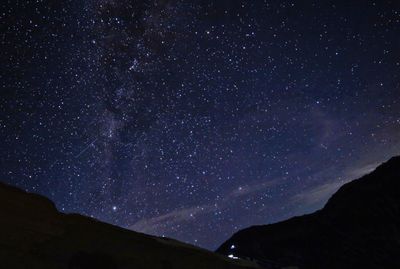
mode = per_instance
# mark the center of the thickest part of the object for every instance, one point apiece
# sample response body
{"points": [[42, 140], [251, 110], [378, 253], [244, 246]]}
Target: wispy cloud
{"points": [[155, 224], [361, 170], [317, 195]]}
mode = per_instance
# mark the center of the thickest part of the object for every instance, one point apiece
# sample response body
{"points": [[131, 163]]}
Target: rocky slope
{"points": [[33, 234], [359, 227]]}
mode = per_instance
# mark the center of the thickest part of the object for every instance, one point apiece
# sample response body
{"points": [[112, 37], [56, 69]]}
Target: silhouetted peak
{"points": [[35, 235], [358, 228]]}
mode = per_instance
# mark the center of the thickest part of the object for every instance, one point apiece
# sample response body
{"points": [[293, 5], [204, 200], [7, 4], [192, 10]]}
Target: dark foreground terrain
{"points": [[359, 227], [33, 234]]}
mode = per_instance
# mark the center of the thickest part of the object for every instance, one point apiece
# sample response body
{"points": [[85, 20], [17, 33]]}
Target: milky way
{"points": [[193, 119]]}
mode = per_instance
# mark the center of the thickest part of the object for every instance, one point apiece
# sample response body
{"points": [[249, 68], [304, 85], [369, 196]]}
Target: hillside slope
{"points": [[33, 234], [359, 227]]}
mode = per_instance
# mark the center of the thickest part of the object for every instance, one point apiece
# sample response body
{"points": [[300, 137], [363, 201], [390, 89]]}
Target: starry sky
{"points": [[193, 119]]}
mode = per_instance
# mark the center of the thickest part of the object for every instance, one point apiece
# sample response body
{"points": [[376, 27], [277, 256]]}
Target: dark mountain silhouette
{"points": [[33, 234], [359, 227]]}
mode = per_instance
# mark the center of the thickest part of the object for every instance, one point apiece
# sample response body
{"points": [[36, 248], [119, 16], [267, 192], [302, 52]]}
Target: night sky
{"points": [[193, 119]]}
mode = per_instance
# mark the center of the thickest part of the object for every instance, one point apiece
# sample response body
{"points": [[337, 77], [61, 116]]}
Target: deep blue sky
{"points": [[193, 119]]}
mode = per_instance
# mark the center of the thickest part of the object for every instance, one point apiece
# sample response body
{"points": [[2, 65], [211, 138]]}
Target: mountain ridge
{"points": [[34, 234], [359, 227]]}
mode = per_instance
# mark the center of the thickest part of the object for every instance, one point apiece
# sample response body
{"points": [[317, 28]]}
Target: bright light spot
{"points": [[232, 257], [233, 247]]}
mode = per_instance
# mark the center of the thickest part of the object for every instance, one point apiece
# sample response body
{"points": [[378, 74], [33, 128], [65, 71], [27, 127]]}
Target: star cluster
{"points": [[193, 119]]}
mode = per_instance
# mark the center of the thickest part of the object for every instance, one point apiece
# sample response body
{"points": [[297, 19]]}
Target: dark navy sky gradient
{"points": [[193, 119]]}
